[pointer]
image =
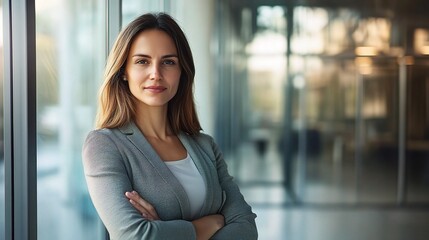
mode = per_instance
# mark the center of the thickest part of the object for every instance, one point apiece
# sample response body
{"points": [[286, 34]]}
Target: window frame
{"points": [[20, 116]]}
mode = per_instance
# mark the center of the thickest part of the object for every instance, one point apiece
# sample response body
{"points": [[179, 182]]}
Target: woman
{"points": [[148, 145]]}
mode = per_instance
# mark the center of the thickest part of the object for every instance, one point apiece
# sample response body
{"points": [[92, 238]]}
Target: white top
{"points": [[188, 175]]}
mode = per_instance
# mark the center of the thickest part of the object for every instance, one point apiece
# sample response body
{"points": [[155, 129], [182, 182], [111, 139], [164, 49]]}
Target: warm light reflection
{"points": [[375, 33], [374, 108], [364, 65], [366, 51], [425, 50], [409, 60], [365, 70], [363, 61], [396, 51], [339, 29], [421, 41], [337, 34]]}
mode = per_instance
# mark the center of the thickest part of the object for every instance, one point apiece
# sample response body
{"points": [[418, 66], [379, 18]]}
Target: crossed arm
{"points": [[105, 167], [205, 227]]}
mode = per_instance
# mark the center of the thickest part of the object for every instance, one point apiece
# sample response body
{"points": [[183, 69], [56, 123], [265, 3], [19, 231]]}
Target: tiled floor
{"points": [[342, 224], [330, 211]]}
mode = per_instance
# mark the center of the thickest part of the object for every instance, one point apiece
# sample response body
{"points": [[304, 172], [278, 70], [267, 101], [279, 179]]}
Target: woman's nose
{"points": [[155, 73]]}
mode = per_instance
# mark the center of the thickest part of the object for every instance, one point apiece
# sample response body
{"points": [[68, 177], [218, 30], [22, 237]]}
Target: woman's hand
{"points": [[207, 226], [145, 208]]}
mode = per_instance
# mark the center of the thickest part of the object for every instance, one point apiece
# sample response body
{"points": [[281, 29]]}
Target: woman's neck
{"points": [[153, 122]]}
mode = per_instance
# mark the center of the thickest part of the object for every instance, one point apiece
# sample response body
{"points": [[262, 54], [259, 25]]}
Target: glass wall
{"points": [[70, 47], [417, 127], [344, 107], [262, 102], [333, 104]]}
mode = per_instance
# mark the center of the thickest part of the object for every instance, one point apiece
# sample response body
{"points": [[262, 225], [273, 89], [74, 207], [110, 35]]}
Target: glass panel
{"points": [[323, 108], [2, 190], [254, 93], [378, 165], [344, 109], [70, 49], [323, 131], [417, 157]]}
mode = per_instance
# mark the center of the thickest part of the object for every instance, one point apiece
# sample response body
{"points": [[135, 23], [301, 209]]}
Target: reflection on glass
{"points": [[375, 33], [323, 126], [308, 36], [421, 41], [417, 134], [343, 97], [260, 77], [344, 107], [378, 173], [70, 59]]}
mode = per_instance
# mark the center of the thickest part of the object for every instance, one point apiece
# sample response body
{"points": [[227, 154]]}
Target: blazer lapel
{"points": [[136, 137], [200, 161]]}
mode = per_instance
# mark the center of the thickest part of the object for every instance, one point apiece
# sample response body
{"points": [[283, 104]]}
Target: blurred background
{"points": [[321, 108]]}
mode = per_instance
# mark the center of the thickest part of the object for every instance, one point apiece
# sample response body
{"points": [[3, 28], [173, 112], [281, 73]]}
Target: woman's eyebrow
{"points": [[170, 55], [141, 55], [147, 56]]}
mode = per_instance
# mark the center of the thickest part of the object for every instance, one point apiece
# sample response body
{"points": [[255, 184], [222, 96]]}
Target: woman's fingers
{"points": [[143, 203], [144, 207], [140, 204], [145, 213]]}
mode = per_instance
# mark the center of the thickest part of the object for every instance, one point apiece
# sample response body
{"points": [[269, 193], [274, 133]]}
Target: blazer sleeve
{"points": [[107, 180], [239, 218]]}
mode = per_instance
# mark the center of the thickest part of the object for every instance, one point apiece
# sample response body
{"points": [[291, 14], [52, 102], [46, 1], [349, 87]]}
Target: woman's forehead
{"points": [[153, 41]]}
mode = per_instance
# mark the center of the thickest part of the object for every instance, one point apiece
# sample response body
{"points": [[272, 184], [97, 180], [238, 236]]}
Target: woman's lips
{"points": [[155, 89]]}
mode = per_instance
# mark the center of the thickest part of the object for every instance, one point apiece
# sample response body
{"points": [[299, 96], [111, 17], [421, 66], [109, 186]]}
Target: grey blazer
{"points": [[120, 160]]}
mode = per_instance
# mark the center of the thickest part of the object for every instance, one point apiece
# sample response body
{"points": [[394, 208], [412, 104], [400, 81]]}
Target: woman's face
{"points": [[152, 69]]}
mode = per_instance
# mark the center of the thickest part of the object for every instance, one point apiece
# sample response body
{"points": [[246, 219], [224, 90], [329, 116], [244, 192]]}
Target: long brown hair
{"points": [[116, 103]]}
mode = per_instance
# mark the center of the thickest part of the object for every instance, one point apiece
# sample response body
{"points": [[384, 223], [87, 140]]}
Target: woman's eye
{"points": [[142, 61], [169, 62]]}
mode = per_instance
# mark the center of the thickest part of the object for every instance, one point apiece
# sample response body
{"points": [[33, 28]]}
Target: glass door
{"points": [[378, 130], [323, 135], [344, 108]]}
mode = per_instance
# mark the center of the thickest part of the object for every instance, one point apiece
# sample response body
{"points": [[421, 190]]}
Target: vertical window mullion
{"points": [[114, 22], [20, 120]]}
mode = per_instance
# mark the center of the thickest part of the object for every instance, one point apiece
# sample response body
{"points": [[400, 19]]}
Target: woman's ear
{"points": [[122, 74]]}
